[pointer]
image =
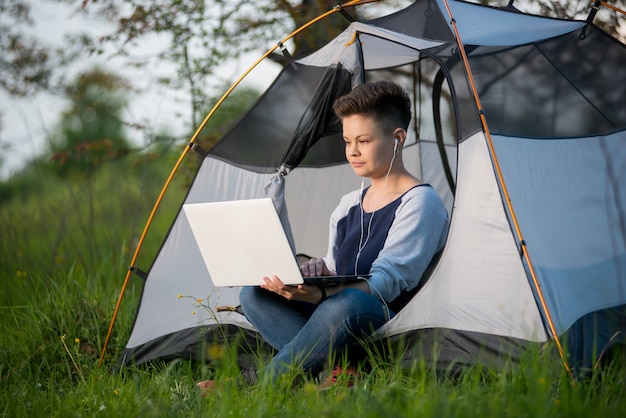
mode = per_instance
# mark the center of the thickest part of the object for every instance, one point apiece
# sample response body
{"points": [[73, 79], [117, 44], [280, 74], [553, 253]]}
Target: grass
{"points": [[65, 250]]}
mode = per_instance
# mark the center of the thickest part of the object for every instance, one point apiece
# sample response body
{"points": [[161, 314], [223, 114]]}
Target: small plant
{"points": [[73, 356]]}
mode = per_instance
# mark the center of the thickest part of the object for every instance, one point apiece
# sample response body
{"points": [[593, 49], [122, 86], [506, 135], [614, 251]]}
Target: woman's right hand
{"points": [[315, 267]]}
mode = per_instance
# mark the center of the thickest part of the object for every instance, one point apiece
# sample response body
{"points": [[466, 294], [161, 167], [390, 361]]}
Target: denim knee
{"points": [[359, 310], [250, 299], [347, 300], [245, 294]]}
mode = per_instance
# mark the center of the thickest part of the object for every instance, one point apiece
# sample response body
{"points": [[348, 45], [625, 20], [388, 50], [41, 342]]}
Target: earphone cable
{"points": [[369, 224]]}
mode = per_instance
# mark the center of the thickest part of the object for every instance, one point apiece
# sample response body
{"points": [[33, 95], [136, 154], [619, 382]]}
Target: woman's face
{"points": [[368, 149]]}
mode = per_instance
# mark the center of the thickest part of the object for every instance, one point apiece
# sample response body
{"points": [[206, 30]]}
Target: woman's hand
{"points": [[303, 293], [315, 267]]}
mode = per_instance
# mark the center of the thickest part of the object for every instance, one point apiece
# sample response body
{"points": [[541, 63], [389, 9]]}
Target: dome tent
{"points": [[519, 124]]}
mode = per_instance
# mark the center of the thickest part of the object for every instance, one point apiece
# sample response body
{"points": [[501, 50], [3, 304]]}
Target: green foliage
{"points": [[27, 182], [24, 64], [86, 224], [200, 37], [28, 63], [49, 368], [91, 131]]}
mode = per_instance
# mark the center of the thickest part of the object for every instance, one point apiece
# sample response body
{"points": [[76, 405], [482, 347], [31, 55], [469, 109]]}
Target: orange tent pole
{"points": [[614, 8], [192, 141]]}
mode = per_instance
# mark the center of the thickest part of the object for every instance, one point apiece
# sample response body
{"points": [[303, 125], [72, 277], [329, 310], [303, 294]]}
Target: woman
{"points": [[390, 230]]}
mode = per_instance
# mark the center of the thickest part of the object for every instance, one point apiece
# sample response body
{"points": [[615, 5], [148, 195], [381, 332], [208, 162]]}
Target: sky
{"points": [[27, 122]]}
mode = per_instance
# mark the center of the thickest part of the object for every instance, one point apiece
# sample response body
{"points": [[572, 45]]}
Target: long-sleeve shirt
{"points": [[395, 244]]}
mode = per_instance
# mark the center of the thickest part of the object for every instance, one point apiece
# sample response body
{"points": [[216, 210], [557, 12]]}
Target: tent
{"points": [[520, 125]]}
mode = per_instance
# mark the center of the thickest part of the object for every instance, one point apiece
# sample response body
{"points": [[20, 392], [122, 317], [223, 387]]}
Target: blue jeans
{"points": [[305, 334]]}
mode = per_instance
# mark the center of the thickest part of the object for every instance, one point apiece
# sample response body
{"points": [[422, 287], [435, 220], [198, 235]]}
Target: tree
{"points": [[91, 132], [202, 34], [24, 63], [28, 63]]}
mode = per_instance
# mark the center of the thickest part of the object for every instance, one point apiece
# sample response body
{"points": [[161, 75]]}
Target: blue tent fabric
{"points": [[580, 263], [485, 26]]}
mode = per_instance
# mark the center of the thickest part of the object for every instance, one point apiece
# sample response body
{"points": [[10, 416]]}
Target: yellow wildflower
{"points": [[77, 340], [215, 351]]}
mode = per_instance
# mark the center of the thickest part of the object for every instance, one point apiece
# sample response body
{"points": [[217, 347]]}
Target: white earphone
{"points": [[395, 146]]}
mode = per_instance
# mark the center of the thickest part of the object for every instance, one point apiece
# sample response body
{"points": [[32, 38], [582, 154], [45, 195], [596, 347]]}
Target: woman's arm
{"points": [[418, 232]]}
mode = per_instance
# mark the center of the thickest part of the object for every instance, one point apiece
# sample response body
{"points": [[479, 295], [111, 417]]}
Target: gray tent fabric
{"points": [[536, 252], [275, 189]]}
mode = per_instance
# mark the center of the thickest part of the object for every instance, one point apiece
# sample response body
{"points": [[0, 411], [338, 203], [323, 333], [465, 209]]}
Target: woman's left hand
{"points": [[302, 292]]}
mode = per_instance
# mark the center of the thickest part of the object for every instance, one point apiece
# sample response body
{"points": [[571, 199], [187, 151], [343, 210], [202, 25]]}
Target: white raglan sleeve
{"points": [[418, 232]]}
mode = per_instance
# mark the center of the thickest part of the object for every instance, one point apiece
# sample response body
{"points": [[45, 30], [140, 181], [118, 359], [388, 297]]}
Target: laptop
{"points": [[241, 241]]}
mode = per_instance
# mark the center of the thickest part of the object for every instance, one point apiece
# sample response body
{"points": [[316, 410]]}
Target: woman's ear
{"points": [[399, 137]]}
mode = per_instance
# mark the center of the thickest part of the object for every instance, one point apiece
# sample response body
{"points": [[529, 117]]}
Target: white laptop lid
{"points": [[241, 241]]}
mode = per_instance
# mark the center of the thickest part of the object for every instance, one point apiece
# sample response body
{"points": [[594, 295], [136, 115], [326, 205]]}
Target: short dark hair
{"points": [[386, 101]]}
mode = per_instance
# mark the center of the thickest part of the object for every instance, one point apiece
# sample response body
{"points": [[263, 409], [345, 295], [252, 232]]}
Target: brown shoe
{"points": [[207, 386], [248, 376], [340, 376]]}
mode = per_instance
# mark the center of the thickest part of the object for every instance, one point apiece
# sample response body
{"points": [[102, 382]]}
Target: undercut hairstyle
{"points": [[386, 102]]}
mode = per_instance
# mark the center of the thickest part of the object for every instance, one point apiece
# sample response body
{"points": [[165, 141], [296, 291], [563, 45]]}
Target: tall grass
{"points": [[65, 250]]}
